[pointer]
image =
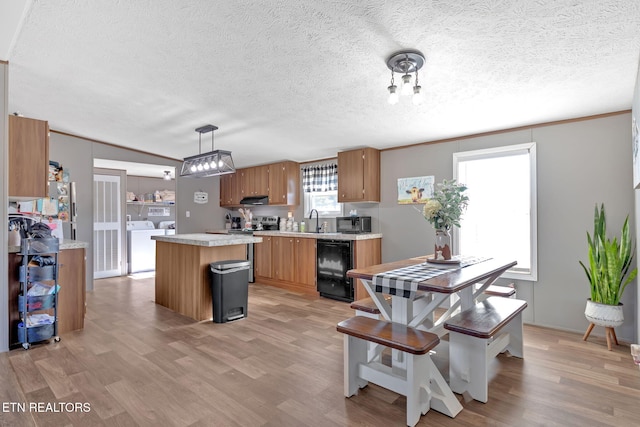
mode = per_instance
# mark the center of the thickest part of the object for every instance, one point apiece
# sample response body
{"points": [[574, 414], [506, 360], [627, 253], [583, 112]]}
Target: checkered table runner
{"points": [[404, 281]]}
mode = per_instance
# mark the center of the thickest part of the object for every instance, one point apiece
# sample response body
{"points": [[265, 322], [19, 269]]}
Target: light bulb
{"points": [[417, 95], [200, 168], [393, 94], [406, 85], [220, 163], [213, 164], [193, 168], [206, 166]]}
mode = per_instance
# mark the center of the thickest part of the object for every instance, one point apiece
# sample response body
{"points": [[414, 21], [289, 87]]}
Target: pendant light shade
{"points": [[406, 63], [213, 163]]}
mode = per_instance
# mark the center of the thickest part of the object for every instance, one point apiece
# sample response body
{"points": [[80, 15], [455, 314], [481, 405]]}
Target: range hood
{"points": [[255, 200]]}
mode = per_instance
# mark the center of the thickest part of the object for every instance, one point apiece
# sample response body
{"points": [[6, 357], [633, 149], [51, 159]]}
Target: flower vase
{"points": [[443, 244]]}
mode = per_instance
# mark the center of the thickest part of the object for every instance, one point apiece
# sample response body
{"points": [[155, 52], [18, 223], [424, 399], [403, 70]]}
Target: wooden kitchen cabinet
{"points": [[262, 258], [283, 249], [71, 301], [286, 262], [230, 190], [359, 175], [284, 184], [254, 181], [28, 158], [365, 254], [305, 262]]}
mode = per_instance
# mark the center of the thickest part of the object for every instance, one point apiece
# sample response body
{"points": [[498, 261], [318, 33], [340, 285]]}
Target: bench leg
{"points": [[355, 353], [418, 393], [514, 328], [468, 366]]}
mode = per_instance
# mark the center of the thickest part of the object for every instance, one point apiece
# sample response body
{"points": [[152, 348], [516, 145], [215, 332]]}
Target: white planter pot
{"points": [[609, 316]]}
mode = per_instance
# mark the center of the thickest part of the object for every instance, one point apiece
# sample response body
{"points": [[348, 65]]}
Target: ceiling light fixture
{"points": [[405, 62], [167, 176], [213, 163]]}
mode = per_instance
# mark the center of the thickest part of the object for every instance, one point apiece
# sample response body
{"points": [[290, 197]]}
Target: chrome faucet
{"points": [[317, 219]]}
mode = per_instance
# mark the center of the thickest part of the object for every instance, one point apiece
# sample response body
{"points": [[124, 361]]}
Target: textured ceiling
{"points": [[303, 79]]}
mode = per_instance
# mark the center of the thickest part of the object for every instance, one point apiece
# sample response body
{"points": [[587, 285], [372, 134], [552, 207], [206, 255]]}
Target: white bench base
{"points": [[421, 383], [469, 358]]}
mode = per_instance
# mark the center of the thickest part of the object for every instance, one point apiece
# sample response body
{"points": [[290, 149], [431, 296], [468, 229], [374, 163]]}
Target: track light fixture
{"points": [[405, 62]]}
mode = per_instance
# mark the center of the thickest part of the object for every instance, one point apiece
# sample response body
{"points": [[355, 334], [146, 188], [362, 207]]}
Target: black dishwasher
{"points": [[335, 258]]}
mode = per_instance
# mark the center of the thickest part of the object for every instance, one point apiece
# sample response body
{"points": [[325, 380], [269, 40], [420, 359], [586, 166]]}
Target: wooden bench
{"points": [[476, 336], [500, 291], [420, 383]]}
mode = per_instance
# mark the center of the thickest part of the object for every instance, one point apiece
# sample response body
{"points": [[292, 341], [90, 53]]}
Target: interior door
{"points": [[107, 226]]}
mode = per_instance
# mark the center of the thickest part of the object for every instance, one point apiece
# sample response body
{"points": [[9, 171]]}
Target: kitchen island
{"points": [[182, 269]]}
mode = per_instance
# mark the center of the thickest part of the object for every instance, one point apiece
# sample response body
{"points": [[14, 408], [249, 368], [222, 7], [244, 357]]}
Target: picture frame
{"points": [[415, 190]]}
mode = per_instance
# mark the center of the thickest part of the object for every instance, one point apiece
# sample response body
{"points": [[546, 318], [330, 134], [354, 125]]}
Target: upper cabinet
{"points": [[359, 175], [254, 181], [284, 184], [279, 181], [28, 158], [230, 189]]}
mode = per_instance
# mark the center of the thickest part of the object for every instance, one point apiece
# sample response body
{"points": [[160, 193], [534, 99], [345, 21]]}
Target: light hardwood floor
{"points": [[139, 364]]}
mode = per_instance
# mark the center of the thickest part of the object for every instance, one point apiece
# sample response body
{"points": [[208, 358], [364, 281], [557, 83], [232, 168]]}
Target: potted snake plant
{"points": [[609, 272]]}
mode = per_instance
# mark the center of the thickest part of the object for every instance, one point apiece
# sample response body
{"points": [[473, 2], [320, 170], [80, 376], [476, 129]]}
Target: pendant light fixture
{"points": [[405, 62], [213, 163], [167, 176]]}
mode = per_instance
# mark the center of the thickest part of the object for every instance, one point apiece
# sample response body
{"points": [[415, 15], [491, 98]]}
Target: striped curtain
{"points": [[320, 178]]}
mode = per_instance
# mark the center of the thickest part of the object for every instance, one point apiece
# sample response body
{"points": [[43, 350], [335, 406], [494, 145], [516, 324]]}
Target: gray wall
{"points": [[76, 155], [579, 164]]}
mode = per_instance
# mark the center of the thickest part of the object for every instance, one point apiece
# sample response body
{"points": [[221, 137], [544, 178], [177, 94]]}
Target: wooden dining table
{"points": [[419, 288]]}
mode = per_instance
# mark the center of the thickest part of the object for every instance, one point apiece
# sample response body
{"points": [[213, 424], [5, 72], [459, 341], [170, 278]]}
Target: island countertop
{"points": [[208, 240]]}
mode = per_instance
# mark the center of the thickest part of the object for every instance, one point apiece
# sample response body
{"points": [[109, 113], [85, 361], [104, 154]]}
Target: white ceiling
{"points": [[303, 79]]}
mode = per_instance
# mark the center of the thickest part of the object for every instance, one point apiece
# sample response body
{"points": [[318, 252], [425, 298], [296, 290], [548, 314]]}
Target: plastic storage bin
{"points": [[229, 289]]}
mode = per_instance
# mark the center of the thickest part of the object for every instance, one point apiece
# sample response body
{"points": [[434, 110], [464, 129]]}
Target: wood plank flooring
{"points": [[139, 364]]}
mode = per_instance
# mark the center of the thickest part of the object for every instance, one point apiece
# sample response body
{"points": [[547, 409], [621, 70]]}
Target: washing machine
{"points": [[141, 249], [169, 227]]}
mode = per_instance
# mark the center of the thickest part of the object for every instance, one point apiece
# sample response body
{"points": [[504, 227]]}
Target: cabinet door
{"points": [[283, 251], [28, 157], [229, 190], [277, 184], [262, 258], [261, 180], [71, 300], [305, 261], [244, 178], [350, 176]]}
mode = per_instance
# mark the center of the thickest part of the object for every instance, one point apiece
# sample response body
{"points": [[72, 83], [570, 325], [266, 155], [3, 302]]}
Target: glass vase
{"points": [[443, 245]]}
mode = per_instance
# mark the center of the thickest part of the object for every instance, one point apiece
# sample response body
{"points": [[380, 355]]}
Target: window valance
{"points": [[320, 177]]}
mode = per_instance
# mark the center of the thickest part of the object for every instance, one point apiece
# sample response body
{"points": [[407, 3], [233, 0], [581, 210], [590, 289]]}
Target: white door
{"points": [[107, 226]]}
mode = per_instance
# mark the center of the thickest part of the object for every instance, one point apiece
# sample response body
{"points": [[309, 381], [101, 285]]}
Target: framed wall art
{"points": [[415, 190]]}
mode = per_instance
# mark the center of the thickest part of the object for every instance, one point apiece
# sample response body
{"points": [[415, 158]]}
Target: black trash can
{"points": [[229, 289]]}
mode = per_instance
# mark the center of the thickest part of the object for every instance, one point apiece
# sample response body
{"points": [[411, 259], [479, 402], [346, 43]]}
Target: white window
{"points": [[500, 220], [320, 189], [325, 202]]}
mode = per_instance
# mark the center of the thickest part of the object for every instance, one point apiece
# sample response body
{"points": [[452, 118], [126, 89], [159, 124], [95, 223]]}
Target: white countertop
{"points": [[326, 236], [203, 239]]}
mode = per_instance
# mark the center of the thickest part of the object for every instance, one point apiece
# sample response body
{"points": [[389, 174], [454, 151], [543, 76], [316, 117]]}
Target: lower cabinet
{"points": [[71, 300], [262, 258], [286, 262]]}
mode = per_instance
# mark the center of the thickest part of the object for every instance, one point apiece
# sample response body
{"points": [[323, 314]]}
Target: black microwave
{"points": [[353, 224]]}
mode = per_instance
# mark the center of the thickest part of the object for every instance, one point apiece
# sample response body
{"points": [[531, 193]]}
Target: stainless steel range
{"points": [[259, 223]]}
